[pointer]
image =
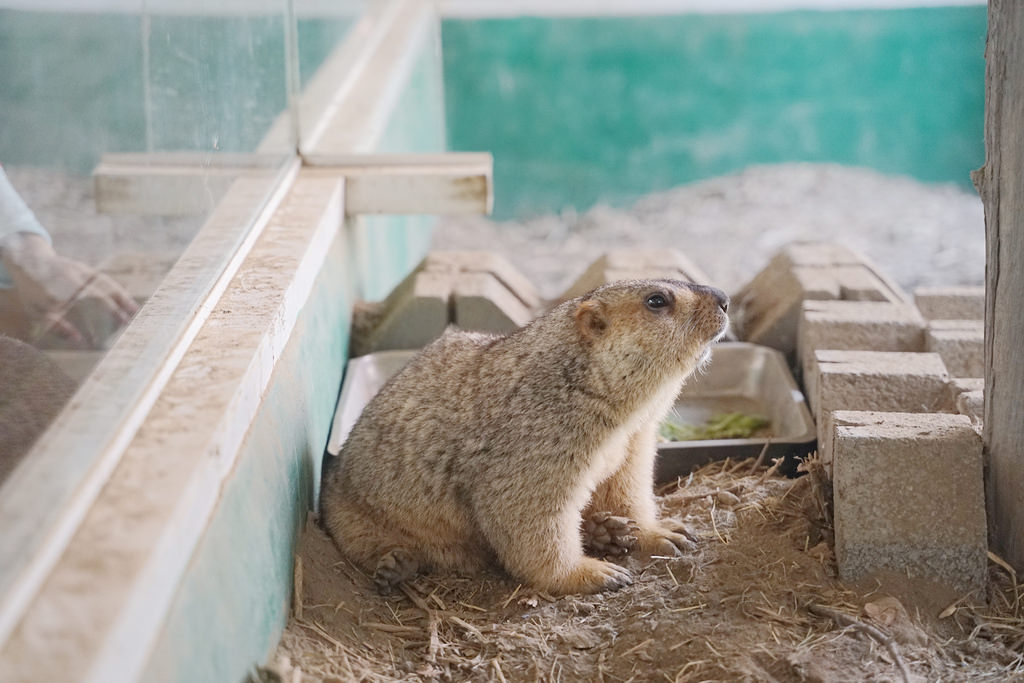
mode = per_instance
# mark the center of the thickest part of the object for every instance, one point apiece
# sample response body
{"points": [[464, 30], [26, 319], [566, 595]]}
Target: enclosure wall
{"points": [[582, 110]]}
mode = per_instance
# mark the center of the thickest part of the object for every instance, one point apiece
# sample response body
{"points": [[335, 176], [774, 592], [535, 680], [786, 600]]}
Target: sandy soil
{"points": [[757, 601]]}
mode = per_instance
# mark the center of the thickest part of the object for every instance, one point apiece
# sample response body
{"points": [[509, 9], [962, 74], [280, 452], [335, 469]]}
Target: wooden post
{"points": [[1001, 185]]}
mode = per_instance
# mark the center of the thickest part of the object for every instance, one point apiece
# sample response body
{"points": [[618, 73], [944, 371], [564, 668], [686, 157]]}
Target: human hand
{"points": [[49, 285]]}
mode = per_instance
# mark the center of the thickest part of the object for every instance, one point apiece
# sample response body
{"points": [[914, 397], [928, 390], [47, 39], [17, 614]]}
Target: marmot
{"points": [[492, 448]]}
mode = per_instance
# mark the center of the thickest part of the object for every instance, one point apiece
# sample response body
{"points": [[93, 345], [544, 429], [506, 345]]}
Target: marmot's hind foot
{"points": [[394, 567], [605, 535]]}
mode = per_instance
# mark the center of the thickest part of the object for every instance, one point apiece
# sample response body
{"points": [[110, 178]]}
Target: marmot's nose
{"points": [[718, 295]]}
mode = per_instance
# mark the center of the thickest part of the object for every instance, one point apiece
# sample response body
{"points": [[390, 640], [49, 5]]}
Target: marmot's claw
{"points": [[605, 534], [680, 529], [620, 578], [393, 568], [593, 576], [663, 541]]}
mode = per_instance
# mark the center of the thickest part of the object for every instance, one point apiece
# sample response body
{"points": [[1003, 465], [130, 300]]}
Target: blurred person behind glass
{"points": [[44, 297], [48, 287]]}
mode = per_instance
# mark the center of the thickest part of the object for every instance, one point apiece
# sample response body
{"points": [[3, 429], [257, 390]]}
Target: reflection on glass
{"points": [[182, 98], [321, 29], [51, 288], [213, 84]]}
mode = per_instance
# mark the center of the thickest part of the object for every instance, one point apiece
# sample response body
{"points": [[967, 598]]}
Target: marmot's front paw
{"points": [[393, 568], [605, 534], [666, 540]]}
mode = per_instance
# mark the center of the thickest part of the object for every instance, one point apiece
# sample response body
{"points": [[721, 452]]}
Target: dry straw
{"points": [[758, 600]]}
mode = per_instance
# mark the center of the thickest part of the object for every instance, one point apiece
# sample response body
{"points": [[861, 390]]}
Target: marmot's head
{"points": [[654, 324]]}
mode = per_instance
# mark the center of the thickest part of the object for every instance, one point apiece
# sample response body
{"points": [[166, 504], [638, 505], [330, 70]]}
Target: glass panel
{"points": [[321, 29], [214, 84], [131, 132], [395, 244], [322, 26]]}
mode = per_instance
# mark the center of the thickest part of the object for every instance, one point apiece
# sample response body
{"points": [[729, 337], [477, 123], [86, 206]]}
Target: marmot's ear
{"points": [[590, 320]]}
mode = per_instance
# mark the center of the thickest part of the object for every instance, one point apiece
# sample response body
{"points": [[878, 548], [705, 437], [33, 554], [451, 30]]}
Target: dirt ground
{"points": [[757, 601]]}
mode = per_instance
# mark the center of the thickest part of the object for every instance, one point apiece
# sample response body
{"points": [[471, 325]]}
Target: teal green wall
{"points": [[581, 110]]}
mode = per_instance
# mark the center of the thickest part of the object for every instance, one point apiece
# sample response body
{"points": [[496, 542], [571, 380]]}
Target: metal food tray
{"points": [[741, 377], [364, 377]]}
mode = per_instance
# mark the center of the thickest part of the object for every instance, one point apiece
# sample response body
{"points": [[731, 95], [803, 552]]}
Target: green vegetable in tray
{"points": [[722, 426]]}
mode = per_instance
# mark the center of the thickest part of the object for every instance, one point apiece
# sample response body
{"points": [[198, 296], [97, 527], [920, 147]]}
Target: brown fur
{"points": [[489, 448]]}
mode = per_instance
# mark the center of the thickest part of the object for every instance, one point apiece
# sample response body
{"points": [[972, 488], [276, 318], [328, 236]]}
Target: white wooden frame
{"points": [[450, 183], [45, 498]]}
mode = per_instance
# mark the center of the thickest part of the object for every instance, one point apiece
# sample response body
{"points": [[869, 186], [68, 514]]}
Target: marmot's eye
{"points": [[656, 301]]}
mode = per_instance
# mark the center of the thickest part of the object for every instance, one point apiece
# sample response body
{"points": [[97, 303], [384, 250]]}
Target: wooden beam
{"points": [[450, 183], [173, 184], [453, 183], [1001, 189]]}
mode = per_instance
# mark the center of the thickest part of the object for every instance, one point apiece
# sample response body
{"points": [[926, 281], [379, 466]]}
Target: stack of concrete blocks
{"points": [[956, 331], [767, 309], [479, 290], [473, 290], [906, 467], [635, 264]]}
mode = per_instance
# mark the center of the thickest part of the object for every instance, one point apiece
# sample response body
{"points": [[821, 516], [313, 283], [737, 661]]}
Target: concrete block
{"points": [[767, 309], [827, 422], [458, 262], [909, 497], [837, 257], [859, 283], [959, 385], [857, 325], [951, 303], [972, 404], [482, 302], [961, 343], [414, 314], [877, 380], [820, 254], [476, 290], [633, 264]]}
